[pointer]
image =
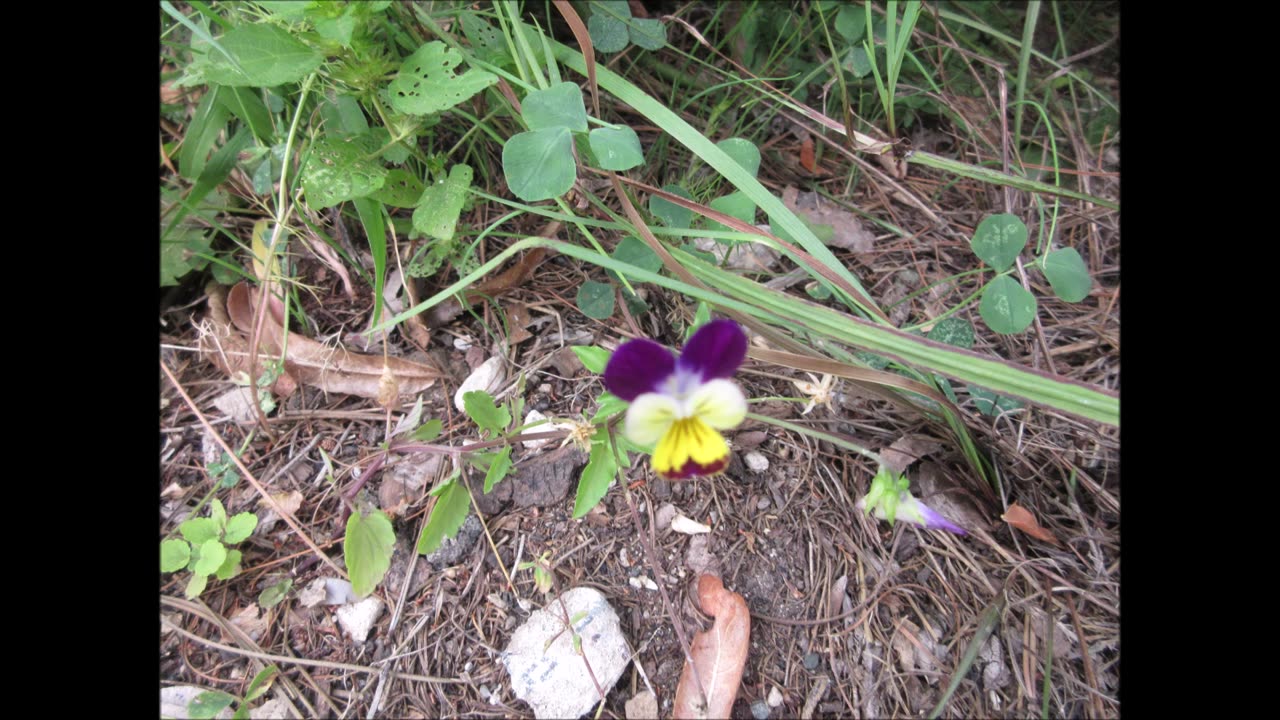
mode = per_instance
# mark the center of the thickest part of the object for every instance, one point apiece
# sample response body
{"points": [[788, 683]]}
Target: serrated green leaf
{"points": [[616, 148], [558, 106], [212, 555], [601, 468], [671, 214], [269, 55], [340, 170], [609, 33], [447, 516], [498, 469], [367, 549], [539, 164], [240, 527], [272, 596], [989, 403], [1068, 275], [401, 189], [199, 530], [485, 413], [1006, 306], [594, 359], [208, 704], [174, 555], [196, 585], [953, 331], [441, 204], [595, 299], [648, 33], [998, 240], [428, 431], [744, 152], [426, 83], [230, 567]]}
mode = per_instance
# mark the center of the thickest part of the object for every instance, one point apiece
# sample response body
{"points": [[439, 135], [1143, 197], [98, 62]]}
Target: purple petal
{"points": [[715, 350], [638, 367], [934, 521]]}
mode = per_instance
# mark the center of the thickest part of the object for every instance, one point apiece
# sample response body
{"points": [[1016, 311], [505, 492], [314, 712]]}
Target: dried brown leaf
{"points": [[330, 369], [847, 229], [1022, 519], [906, 450], [720, 654]]}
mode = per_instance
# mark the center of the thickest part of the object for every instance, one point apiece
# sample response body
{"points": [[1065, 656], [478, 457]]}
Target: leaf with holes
{"points": [[998, 240], [401, 189], [367, 549], [595, 299], [558, 106], [448, 515], [608, 25], [616, 148], [441, 204], [486, 42], [1068, 275], [539, 164], [1006, 306], [340, 170], [671, 214], [269, 56], [426, 83], [601, 468]]}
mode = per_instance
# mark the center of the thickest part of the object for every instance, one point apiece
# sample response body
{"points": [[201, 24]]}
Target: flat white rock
{"points": [[535, 416], [357, 618], [756, 462], [487, 377], [547, 673]]}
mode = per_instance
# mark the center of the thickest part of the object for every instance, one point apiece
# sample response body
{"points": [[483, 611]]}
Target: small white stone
{"points": [[462, 343], [487, 377], [775, 697], [682, 524], [756, 462], [358, 618], [535, 416], [643, 582]]}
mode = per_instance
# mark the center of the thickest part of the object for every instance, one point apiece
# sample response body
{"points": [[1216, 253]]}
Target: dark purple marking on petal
{"points": [[692, 469], [715, 350], [638, 367]]}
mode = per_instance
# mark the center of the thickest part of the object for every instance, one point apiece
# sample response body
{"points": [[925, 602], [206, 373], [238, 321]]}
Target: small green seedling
{"points": [[203, 547], [210, 703]]}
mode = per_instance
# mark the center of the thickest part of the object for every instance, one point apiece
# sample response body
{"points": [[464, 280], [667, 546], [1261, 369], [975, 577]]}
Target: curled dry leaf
{"points": [[1022, 519], [720, 654], [331, 369]]}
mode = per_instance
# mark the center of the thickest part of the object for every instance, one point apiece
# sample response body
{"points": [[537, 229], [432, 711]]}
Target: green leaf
{"points": [[239, 527], [218, 514], [208, 704], [607, 25], [558, 106], [338, 29], [634, 251], [269, 55], [260, 683], [498, 469], [401, 189], [616, 148], [212, 555], [671, 214], [181, 253], [594, 359], [230, 567], [596, 476], [272, 596], [441, 204], [539, 164], [595, 299], [1006, 307], [998, 240], [1068, 274], [744, 152], [198, 530], [207, 123], [607, 406], [735, 204], [953, 331], [340, 170], [426, 83], [447, 516], [851, 23], [486, 41], [857, 62], [428, 431], [174, 554], [343, 117], [196, 585], [648, 33], [367, 549], [988, 403], [485, 413]]}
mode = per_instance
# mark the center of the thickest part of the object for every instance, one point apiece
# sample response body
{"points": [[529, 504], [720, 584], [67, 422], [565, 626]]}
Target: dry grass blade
{"points": [[986, 625], [719, 653]]}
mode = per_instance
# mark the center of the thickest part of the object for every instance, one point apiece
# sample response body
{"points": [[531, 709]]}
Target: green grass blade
{"points": [[998, 178], [985, 626], [370, 212], [1024, 60]]}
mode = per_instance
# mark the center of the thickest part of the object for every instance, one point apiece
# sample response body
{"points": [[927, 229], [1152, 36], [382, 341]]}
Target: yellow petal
{"points": [[719, 403], [690, 439], [649, 418]]}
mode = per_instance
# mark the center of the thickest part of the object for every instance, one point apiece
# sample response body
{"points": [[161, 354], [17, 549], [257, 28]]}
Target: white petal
{"points": [[649, 417], [719, 403]]}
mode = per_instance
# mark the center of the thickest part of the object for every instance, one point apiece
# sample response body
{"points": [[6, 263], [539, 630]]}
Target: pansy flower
{"points": [[678, 404], [889, 499]]}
